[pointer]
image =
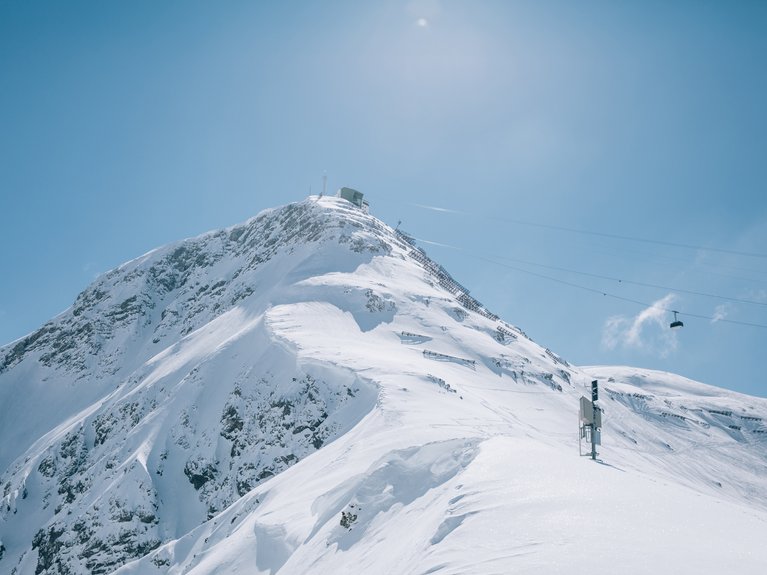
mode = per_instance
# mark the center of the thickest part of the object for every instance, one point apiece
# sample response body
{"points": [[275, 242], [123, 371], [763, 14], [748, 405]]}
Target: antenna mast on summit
{"points": [[324, 184]]}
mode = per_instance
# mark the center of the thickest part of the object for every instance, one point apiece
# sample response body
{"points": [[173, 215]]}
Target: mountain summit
{"points": [[309, 392]]}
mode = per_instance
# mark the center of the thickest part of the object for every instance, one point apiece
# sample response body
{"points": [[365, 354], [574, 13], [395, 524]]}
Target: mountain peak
{"points": [[192, 268]]}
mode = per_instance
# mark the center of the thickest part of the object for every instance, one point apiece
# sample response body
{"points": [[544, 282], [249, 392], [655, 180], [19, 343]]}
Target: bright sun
{"points": [[422, 22]]}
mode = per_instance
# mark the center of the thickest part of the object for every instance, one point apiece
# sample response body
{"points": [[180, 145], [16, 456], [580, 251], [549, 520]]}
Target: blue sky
{"points": [[558, 134]]}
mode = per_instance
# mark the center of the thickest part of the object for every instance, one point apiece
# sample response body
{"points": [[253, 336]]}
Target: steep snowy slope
{"points": [[309, 393]]}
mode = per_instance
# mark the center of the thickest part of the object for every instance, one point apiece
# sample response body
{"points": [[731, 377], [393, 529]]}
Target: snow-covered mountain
{"points": [[309, 392]]}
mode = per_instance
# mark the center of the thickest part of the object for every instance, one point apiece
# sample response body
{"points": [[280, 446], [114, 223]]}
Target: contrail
{"points": [[437, 209], [423, 241]]}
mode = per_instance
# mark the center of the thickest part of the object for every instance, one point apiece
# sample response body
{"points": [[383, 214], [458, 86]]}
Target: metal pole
{"points": [[594, 398]]}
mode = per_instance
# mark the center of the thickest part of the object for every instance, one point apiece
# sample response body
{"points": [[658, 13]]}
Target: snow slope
{"points": [[309, 393]]}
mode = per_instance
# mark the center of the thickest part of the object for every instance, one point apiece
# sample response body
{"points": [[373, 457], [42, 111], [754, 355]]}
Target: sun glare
{"points": [[422, 23]]}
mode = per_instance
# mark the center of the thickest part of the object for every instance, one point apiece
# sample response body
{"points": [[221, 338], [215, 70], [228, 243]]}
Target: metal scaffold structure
{"points": [[444, 279]]}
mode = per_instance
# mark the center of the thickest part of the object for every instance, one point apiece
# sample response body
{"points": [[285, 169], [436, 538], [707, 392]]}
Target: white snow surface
{"points": [[307, 393]]}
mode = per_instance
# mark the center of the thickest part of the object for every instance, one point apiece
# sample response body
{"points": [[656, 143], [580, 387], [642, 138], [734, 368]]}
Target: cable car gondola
{"points": [[676, 323]]}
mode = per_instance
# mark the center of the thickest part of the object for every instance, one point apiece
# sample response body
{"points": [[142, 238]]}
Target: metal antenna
{"points": [[324, 184]]}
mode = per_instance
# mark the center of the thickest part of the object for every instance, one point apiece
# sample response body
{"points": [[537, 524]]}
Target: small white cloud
{"points": [[422, 23], [647, 331], [721, 312], [611, 333]]}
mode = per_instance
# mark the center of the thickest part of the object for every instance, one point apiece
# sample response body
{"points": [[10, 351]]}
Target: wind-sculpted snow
{"points": [[399, 478], [309, 393]]}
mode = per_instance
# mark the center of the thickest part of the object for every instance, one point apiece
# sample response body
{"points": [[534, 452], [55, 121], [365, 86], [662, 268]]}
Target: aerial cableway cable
{"points": [[598, 291], [632, 282], [594, 233]]}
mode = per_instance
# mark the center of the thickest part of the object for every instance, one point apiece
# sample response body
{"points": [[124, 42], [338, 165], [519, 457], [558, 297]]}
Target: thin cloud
{"points": [[758, 295], [647, 331], [721, 312]]}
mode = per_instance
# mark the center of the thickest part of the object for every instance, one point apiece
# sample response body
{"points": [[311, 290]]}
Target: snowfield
{"points": [[309, 393]]}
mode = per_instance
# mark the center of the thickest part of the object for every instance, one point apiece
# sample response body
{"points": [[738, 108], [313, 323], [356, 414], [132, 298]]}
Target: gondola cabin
{"points": [[676, 323]]}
